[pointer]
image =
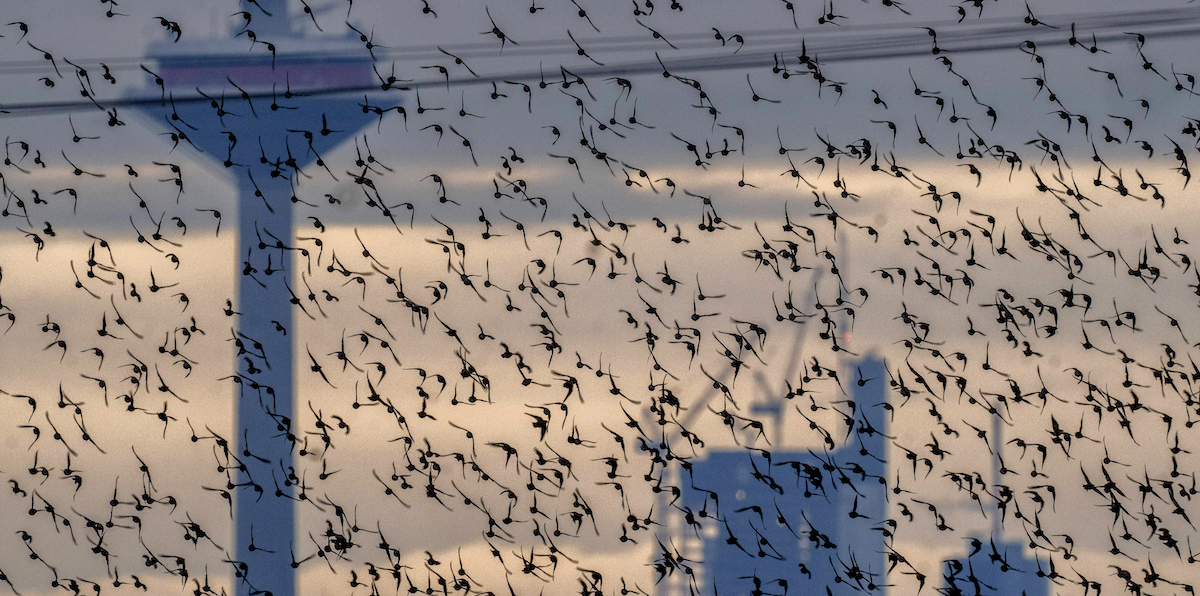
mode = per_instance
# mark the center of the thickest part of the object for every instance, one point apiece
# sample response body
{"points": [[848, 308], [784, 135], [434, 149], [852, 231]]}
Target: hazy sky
{"points": [[932, 223]]}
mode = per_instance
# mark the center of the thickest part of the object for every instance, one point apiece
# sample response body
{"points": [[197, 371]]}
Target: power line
{"points": [[869, 46], [949, 29]]}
